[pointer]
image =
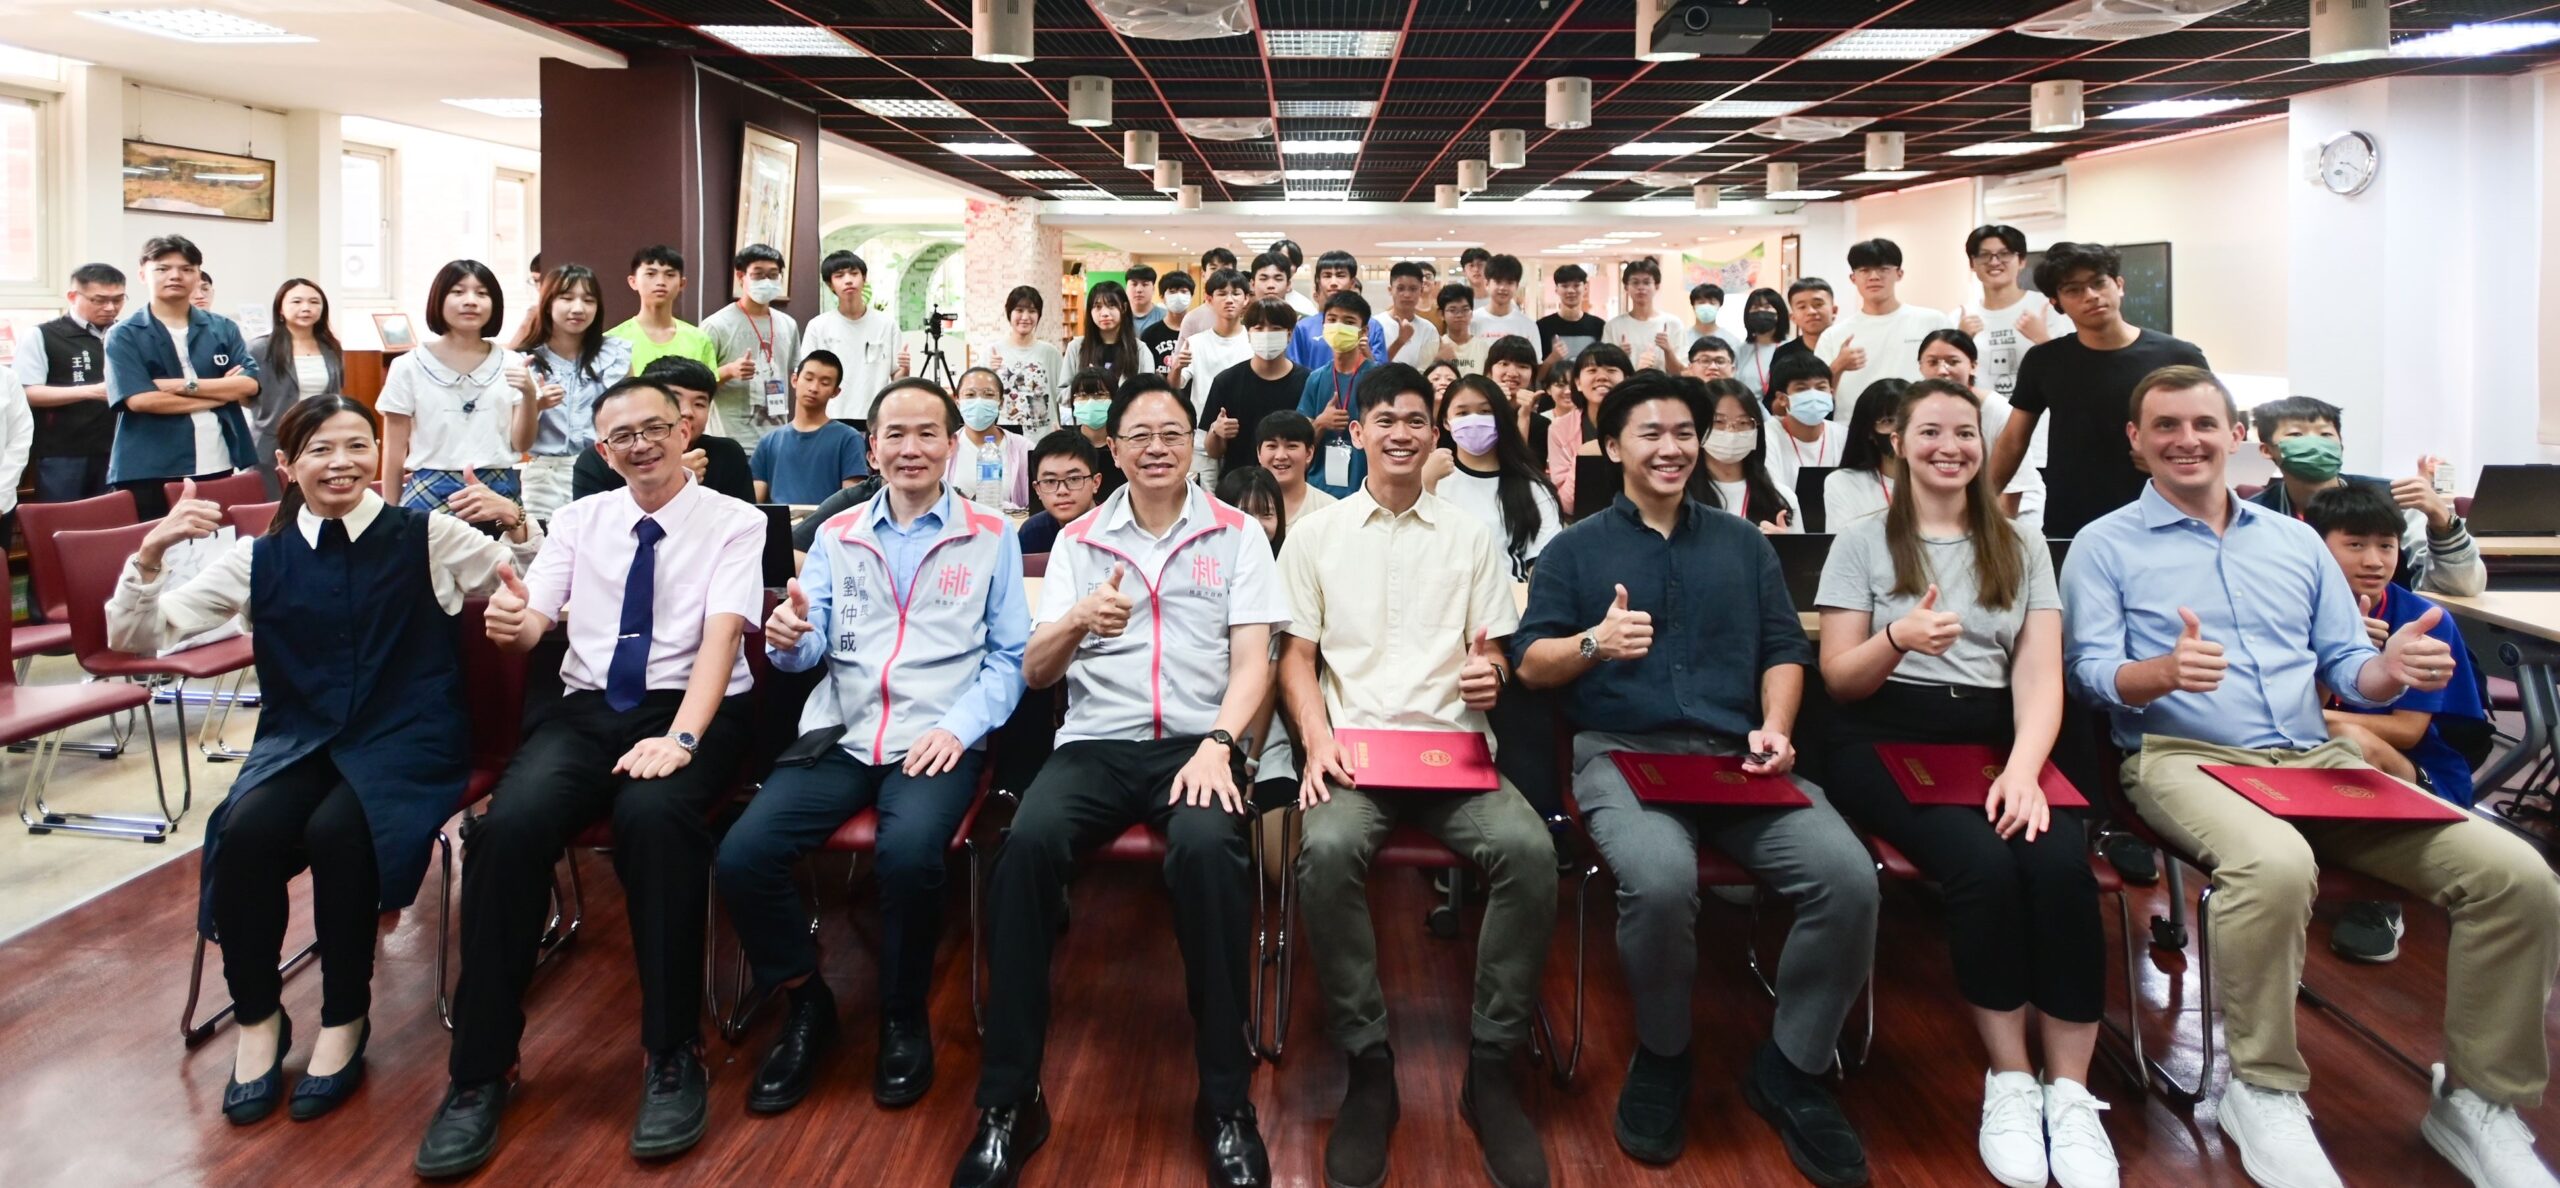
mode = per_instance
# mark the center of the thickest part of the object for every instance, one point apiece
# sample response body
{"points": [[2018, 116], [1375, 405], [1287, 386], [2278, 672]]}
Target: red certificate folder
{"points": [[2333, 794], [1961, 774], [1420, 760], [1715, 781]]}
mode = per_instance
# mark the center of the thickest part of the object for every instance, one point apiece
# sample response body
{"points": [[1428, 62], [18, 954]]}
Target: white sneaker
{"points": [[2272, 1129], [2485, 1142], [2082, 1157], [2013, 1128]]}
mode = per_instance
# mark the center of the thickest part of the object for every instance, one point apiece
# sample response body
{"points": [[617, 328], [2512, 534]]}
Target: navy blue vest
{"points": [[357, 659]]}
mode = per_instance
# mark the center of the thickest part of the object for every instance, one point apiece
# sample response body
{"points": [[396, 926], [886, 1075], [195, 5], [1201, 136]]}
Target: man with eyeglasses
{"points": [[658, 582], [1880, 339], [2009, 319], [717, 462], [1157, 611], [1066, 476]]}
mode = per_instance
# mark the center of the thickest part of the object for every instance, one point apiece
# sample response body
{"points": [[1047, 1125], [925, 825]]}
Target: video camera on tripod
{"points": [[936, 320]]}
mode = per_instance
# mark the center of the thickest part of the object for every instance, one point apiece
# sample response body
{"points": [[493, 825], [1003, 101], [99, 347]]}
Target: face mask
{"points": [[763, 291], [1092, 413], [1810, 407], [1473, 432], [2310, 457], [978, 414], [1343, 339], [1760, 321], [1177, 301], [1268, 344], [1707, 314], [1731, 445]]}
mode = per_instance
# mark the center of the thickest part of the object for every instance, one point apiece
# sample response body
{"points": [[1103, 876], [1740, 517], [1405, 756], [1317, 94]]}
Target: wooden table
{"points": [[2528, 625], [2518, 546]]}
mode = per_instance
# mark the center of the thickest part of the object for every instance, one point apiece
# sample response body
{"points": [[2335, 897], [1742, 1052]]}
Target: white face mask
{"points": [[1267, 344], [1177, 301], [764, 290], [1731, 445], [1707, 314]]}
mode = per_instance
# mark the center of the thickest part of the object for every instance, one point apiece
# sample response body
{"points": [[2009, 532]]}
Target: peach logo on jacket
{"points": [[1204, 572], [953, 581]]}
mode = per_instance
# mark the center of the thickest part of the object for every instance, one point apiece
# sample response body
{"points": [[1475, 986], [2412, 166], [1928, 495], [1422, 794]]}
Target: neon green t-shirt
{"points": [[688, 342]]}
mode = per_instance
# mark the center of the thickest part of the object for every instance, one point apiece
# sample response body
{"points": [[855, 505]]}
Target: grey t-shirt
{"points": [[752, 407], [1859, 576]]}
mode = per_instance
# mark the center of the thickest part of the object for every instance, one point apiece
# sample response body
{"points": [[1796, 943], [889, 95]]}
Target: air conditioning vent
{"points": [[1810, 128], [2025, 199], [2121, 20], [1177, 20]]}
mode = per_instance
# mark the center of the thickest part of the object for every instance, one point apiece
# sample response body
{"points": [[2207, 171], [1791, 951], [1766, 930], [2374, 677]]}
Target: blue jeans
{"points": [[62, 480]]}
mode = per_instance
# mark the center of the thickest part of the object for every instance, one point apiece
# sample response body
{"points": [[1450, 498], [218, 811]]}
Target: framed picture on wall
{"points": [[167, 179], [768, 186], [1790, 260], [395, 332]]}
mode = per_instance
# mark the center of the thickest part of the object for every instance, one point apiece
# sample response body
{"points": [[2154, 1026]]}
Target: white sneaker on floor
{"points": [[2272, 1129], [2013, 1128], [2082, 1155], [2487, 1143]]}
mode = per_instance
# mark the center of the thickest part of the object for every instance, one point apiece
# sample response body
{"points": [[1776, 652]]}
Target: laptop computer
{"points": [[1800, 559], [780, 565], [2516, 501]]}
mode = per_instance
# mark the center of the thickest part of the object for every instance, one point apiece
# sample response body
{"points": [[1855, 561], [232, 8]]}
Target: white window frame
{"points": [[390, 161], [45, 289], [532, 210]]}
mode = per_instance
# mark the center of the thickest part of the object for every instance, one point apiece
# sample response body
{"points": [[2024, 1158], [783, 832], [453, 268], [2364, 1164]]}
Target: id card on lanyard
{"points": [[1337, 452], [771, 391]]}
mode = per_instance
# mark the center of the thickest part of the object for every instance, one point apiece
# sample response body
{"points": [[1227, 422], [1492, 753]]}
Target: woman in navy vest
{"points": [[362, 742]]}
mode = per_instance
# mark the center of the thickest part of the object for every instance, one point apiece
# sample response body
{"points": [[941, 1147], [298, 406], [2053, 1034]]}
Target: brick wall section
{"points": [[1008, 246]]}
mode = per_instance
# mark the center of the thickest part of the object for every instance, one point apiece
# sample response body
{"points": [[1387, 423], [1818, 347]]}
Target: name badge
{"points": [[1337, 464], [777, 401]]}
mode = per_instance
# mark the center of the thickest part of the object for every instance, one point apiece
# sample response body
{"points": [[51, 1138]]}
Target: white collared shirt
{"points": [[711, 562], [433, 396]]}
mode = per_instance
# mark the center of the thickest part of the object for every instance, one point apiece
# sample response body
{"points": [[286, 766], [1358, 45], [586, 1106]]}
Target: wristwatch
{"points": [[190, 389], [687, 740], [1222, 738], [1590, 647]]}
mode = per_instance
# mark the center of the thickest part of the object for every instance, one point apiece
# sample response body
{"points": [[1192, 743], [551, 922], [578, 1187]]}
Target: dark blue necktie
{"points": [[628, 679]]}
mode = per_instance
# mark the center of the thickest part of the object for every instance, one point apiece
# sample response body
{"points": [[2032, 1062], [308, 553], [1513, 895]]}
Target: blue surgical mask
{"points": [[978, 413], [1810, 407]]}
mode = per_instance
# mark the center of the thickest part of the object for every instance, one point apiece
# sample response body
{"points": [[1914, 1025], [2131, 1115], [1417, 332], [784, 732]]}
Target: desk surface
{"points": [[1519, 598], [2533, 612], [2518, 546]]}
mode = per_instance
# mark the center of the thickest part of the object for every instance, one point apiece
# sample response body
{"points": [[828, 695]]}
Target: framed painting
{"points": [[768, 187], [1790, 261], [170, 180], [395, 332]]}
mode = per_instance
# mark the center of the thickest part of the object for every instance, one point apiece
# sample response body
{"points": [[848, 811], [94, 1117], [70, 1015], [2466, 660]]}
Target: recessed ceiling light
{"points": [[1897, 45], [1330, 43], [1321, 148], [1326, 109], [1248, 177], [196, 24], [1459, 244], [1887, 175], [1317, 175], [1341, 195], [505, 109], [2471, 41], [1550, 194], [986, 148], [2003, 148], [2175, 109], [1660, 148], [913, 109], [1040, 174], [1802, 195], [1226, 127], [1745, 109], [784, 41], [1083, 195], [1600, 175]]}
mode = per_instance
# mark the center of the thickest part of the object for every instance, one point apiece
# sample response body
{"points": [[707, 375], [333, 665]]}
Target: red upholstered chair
{"points": [[247, 486], [40, 713], [91, 564], [252, 519], [1035, 565], [41, 522]]}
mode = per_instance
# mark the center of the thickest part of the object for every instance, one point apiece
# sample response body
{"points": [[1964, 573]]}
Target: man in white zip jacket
{"points": [[914, 602], [1158, 609]]}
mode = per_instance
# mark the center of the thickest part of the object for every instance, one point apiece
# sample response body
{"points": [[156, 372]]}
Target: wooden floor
{"points": [[100, 1091]]}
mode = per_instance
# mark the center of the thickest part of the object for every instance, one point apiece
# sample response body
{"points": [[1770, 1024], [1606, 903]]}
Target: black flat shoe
{"points": [[1007, 1138], [1819, 1139], [465, 1130], [675, 1105], [1233, 1142], [314, 1096], [244, 1104], [791, 1067], [906, 1063]]}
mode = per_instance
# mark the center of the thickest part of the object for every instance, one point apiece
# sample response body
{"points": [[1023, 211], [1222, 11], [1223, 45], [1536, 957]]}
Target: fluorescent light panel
{"points": [[1327, 109], [1660, 148], [1341, 195], [1746, 109], [196, 24], [1321, 148], [1317, 175], [1083, 195], [2175, 109], [1039, 175], [1802, 195], [783, 41], [913, 109], [1888, 175], [1600, 175], [2003, 148], [986, 148], [1544, 194], [505, 109], [1330, 43], [1897, 45], [2471, 41]]}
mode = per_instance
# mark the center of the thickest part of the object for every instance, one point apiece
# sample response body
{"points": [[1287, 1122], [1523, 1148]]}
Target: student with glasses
{"points": [[1066, 476]]}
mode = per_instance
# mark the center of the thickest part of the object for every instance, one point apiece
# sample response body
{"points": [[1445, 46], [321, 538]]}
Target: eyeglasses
{"points": [[653, 432], [1995, 257], [1143, 440], [1063, 484]]}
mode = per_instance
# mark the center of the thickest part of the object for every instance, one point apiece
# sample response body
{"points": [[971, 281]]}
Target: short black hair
{"points": [[1271, 260], [452, 274], [1065, 443], [1350, 300], [1455, 294], [204, 276], [1176, 281], [1621, 402], [1138, 272], [916, 383], [1503, 267], [1218, 282], [96, 274], [2270, 416], [172, 245], [1021, 295], [2014, 239], [1215, 258], [755, 253], [660, 255], [1384, 385], [1810, 284], [1089, 379], [1473, 254], [824, 358], [1289, 250], [1287, 424], [1875, 253], [1404, 268], [2065, 260], [1511, 348], [1710, 344], [1866, 449], [1268, 313], [1339, 261], [1954, 338], [1787, 369], [676, 371], [1147, 383], [1707, 293], [2356, 509], [842, 260], [1570, 274], [644, 382], [1604, 354], [1640, 266]]}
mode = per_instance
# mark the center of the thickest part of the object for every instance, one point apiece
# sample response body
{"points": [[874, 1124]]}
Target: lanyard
{"points": [[764, 337], [1821, 449]]}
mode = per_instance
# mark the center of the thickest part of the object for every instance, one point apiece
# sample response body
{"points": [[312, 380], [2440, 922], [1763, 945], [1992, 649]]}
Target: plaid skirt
{"points": [[429, 490]]}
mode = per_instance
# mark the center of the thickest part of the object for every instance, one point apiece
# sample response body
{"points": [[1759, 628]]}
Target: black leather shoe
{"points": [[252, 1102], [1653, 1107], [1007, 1138], [465, 1131], [1818, 1136], [675, 1105], [1490, 1103], [1355, 1154], [314, 1096], [1234, 1147], [808, 1031], [906, 1062]]}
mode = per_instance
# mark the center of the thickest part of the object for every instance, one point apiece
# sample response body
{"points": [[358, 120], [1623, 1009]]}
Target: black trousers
{"points": [[1087, 794], [2022, 916], [560, 782], [306, 815]]}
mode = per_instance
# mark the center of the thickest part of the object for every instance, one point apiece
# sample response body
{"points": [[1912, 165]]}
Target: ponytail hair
{"points": [[295, 429]]}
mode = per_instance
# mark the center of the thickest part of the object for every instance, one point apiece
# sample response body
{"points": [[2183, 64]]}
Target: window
{"points": [[21, 192], [511, 218], [364, 217]]}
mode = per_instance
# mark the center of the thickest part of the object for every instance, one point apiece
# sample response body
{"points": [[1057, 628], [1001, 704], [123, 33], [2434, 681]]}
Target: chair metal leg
{"points": [[568, 909], [2356, 1025], [977, 996], [1275, 960], [2168, 1086], [217, 722], [193, 1032], [2128, 1033], [1563, 1064], [444, 926], [40, 817]]}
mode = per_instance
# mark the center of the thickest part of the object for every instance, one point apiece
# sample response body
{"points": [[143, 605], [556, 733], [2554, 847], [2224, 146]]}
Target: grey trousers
{"points": [[1806, 855]]}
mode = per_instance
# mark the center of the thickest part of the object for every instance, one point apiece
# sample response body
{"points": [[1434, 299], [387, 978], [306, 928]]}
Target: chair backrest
{"points": [[44, 521], [8, 672], [91, 563], [1035, 565], [253, 519], [247, 486], [493, 681]]}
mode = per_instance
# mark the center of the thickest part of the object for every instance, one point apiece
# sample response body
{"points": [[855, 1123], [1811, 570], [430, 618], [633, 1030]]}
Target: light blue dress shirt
{"points": [[2266, 589]]}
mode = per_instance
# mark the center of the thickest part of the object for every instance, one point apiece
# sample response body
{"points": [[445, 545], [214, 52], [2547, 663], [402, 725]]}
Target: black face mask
{"points": [[1760, 321]]}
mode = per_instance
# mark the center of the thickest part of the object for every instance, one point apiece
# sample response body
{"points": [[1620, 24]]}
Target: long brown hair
{"points": [[537, 326], [294, 430], [1999, 571]]}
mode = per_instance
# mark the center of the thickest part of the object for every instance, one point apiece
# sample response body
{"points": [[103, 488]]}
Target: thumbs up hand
{"points": [[2197, 661], [1480, 681], [1776, 526], [1226, 426], [1104, 611], [789, 620], [189, 518], [475, 503], [1926, 629], [504, 619], [906, 361], [2417, 659], [2374, 629], [1624, 634], [1851, 357]]}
